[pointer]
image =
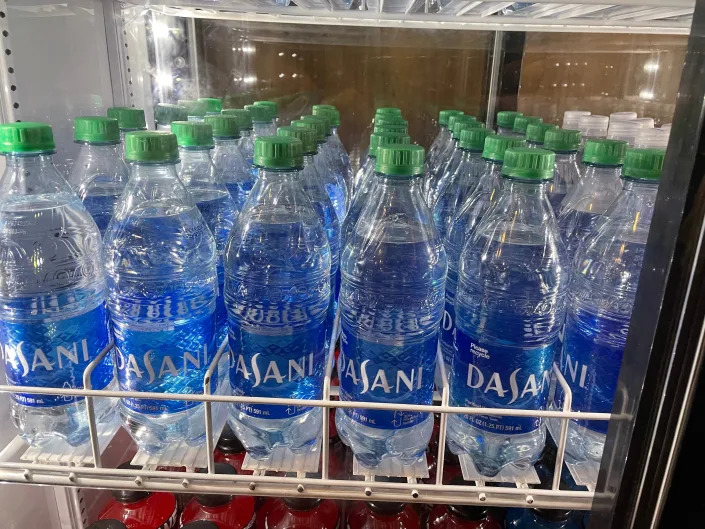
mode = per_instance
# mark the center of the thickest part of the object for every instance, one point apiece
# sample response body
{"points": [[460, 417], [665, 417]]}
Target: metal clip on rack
{"points": [[83, 466]]}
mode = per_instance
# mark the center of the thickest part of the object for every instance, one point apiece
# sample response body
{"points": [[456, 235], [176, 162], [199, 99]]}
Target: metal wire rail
{"points": [[79, 475]]}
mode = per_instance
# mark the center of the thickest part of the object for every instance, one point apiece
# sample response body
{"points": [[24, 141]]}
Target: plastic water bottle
{"points": [[435, 181], [245, 125], [457, 186], [391, 302], [566, 173], [521, 123], [212, 105], [334, 141], [463, 224], [196, 110], [273, 109], [505, 122], [652, 138], [625, 131], [392, 125], [541, 519], [165, 113], [444, 152], [381, 113], [583, 209], [600, 302], [571, 118], [262, 124], [314, 187], [622, 116], [368, 182], [162, 276], [368, 167], [510, 307], [443, 135], [277, 290], [536, 132], [129, 120], [230, 165], [198, 173], [334, 185], [326, 159], [592, 127], [52, 318], [99, 174]]}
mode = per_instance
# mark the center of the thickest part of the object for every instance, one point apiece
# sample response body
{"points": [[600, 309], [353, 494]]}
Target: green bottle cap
{"points": [[244, 119], [318, 126], [151, 146], [505, 118], [473, 139], [224, 126], [26, 137], [165, 113], [387, 111], [307, 136], [461, 125], [390, 120], [394, 127], [457, 118], [193, 108], [529, 164], [643, 164], [329, 111], [400, 160], [259, 113], [561, 140], [211, 104], [193, 134], [444, 115], [497, 144], [536, 132], [278, 152], [605, 152], [96, 129], [128, 118], [271, 105], [325, 119], [521, 122], [386, 138]]}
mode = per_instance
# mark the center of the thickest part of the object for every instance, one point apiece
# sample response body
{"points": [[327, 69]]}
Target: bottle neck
{"points": [[308, 160], [490, 175], [189, 155], [105, 150], [227, 143], [148, 170], [566, 156], [32, 174], [266, 175]]}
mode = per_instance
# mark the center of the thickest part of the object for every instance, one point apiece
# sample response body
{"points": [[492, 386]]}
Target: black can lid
{"points": [[229, 442], [387, 508], [200, 524], [130, 496], [552, 515], [302, 504], [215, 500], [107, 524], [466, 512]]}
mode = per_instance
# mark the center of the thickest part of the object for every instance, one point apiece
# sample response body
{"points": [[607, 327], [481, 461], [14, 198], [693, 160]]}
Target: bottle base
{"points": [[582, 444], [372, 445]]}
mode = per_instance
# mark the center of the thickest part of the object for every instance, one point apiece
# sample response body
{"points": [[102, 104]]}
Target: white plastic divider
{"points": [[82, 472]]}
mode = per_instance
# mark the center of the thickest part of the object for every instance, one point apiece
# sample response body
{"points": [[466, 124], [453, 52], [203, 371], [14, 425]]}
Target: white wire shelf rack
{"points": [[586, 16], [307, 475]]}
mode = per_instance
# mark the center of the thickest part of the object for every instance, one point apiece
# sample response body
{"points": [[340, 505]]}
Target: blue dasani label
{"points": [[55, 354], [284, 366], [500, 376], [374, 372], [170, 361]]}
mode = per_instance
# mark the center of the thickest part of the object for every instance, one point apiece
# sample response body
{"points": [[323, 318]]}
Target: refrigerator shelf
{"points": [[83, 467]]}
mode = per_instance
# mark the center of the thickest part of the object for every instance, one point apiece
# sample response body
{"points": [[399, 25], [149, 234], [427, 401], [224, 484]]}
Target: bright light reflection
{"points": [[160, 29], [164, 80]]}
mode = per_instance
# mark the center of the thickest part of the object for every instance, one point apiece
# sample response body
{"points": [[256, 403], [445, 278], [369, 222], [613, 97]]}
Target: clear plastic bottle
{"points": [[99, 174], [314, 187], [161, 265], [53, 320], [246, 141], [601, 299], [391, 302], [624, 130], [464, 222], [368, 181], [442, 137], [459, 184], [510, 307], [571, 118], [204, 183], [230, 165], [334, 141], [592, 127], [381, 113], [277, 290], [541, 519], [273, 109], [129, 120], [435, 181], [195, 110], [368, 167], [262, 123], [582, 210], [332, 181], [165, 113], [536, 132], [566, 173], [505, 122], [521, 123]]}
